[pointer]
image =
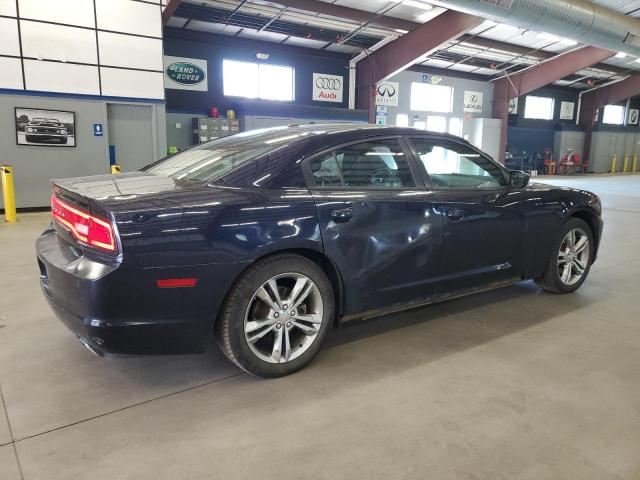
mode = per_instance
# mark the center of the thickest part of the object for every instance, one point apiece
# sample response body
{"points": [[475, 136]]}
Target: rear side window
{"points": [[372, 164]]}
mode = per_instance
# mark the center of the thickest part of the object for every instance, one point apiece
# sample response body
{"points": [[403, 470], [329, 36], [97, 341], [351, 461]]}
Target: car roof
{"points": [[292, 135]]}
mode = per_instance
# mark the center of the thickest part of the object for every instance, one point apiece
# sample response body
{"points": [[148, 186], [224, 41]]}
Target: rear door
{"points": [[378, 222], [483, 225]]}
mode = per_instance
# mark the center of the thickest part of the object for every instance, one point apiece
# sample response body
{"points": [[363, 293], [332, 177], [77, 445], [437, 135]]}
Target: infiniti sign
{"points": [[327, 88], [387, 94]]}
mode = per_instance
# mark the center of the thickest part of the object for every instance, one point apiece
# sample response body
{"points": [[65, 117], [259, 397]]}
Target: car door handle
{"points": [[455, 214], [342, 216]]}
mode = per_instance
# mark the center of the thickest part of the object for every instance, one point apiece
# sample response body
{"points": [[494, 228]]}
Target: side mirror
{"points": [[519, 179]]}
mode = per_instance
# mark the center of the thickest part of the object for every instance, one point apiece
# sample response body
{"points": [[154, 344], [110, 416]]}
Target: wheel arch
{"points": [[591, 219], [319, 258]]}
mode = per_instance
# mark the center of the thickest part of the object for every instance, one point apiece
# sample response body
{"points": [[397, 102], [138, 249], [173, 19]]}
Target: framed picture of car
{"points": [[40, 127]]}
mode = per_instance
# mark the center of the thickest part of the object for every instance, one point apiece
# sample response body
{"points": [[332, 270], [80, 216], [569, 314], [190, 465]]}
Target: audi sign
{"points": [[327, 88]]}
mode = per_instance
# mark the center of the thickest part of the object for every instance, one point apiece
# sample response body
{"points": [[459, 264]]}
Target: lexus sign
{"points": [[327, 88]]}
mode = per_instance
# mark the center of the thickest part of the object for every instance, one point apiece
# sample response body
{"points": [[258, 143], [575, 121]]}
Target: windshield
{"points": [[213, 160]]}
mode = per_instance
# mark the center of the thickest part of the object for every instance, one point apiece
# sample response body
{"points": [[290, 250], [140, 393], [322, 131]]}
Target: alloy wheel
{"points": [[283, 318], [573, 257]]}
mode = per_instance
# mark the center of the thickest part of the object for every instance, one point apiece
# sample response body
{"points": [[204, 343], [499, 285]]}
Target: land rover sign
{"points": [[185, 73]]}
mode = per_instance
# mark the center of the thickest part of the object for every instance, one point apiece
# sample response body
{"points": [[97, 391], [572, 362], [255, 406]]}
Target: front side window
{"points": [[453, 166], [373, 164], [258, 80]]}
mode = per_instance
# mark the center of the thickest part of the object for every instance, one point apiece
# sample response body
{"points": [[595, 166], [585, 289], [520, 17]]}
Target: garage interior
{"points": [[515, 383]]}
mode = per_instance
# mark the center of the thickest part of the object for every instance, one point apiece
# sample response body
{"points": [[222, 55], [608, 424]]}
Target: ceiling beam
{"points": [[169, 10], [348, 13], [537, 76], [527, 52], [532, 78]]}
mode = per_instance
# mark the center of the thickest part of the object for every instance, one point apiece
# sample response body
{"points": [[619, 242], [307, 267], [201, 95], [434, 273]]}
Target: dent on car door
{"points": [[483, 219], [378, 224]]}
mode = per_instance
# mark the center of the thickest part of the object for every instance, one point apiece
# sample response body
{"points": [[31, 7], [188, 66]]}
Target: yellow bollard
{"points": [[115, 169], [614, 160], [635, 163], [625, 165], [6, 172]]}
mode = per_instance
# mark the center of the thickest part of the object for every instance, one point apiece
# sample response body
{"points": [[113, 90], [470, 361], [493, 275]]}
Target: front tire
{"points": [[276, 316], [571, 258]]}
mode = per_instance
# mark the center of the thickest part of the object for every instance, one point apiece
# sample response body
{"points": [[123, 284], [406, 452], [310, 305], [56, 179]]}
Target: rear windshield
{"points": [[211, 161]]}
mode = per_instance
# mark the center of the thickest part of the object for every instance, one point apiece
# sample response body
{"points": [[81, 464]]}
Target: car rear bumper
{"points": [[117, 308]]}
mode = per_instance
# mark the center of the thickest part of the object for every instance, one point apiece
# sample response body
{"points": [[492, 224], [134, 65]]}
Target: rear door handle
{"points": [[342, 216], [455, 214]]}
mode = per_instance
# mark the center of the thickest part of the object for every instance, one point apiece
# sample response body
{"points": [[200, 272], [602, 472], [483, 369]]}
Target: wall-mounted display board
{"points": [[50, 128]]}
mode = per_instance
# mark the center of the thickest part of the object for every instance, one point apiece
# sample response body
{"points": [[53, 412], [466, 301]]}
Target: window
{"points": [[539, 107], [431, 98], [455, 126], [402, 120], [437, 124], [452, 166], [420, 124], [258, 80], [613, 114], [375, 164]]}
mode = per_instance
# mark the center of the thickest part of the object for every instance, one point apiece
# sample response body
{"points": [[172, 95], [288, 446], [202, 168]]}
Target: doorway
{"points": [[131, 132]]}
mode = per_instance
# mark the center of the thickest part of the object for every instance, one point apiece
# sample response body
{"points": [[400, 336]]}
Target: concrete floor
{"points": [[512, 384]]}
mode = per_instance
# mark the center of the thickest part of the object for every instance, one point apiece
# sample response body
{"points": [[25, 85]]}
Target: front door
{"points": [[483, 227], [378, 223]]}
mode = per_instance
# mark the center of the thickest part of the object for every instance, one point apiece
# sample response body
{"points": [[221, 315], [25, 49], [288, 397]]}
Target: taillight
{"points": [[93, 231]]}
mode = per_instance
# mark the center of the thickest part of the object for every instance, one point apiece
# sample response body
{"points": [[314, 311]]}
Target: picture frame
{"points": [[41, 127]]}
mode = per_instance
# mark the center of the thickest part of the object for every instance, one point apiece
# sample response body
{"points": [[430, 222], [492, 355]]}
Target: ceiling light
{"points": [[416, 4], [262, 56], [549, 37], [621, 55], [426, 16], [638, 60]]}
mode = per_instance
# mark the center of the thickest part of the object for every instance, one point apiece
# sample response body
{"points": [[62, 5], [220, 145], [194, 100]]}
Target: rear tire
{"points": [[271, 334], [570, 259]]}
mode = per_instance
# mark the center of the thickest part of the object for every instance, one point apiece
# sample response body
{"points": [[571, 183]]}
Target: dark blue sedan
{"points": [[267, 239]]}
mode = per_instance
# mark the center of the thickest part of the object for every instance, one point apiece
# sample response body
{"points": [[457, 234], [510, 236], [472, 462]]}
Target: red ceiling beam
{"points": [[601, 97], [169, 10], [409, 49], [535, 77]]}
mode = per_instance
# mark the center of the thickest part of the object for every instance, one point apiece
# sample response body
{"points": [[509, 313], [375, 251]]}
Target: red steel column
{"points": [[600, 97], [537, 76], [409, 49]]}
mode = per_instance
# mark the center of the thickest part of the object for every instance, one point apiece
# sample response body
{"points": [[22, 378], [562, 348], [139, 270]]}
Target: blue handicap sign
{"points": [[97, 130]]}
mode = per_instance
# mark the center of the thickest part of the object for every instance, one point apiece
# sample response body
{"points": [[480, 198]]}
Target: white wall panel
{"points": [[130, 17], [55, 42], [71, 12], [61, 77], [10, 73], [126, 51], [9, 43], [8, 7], [130, 83]]}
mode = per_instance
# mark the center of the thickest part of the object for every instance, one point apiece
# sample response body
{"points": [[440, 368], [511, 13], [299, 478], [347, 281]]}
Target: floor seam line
{"points": [[13, 441], [28, 437]]}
